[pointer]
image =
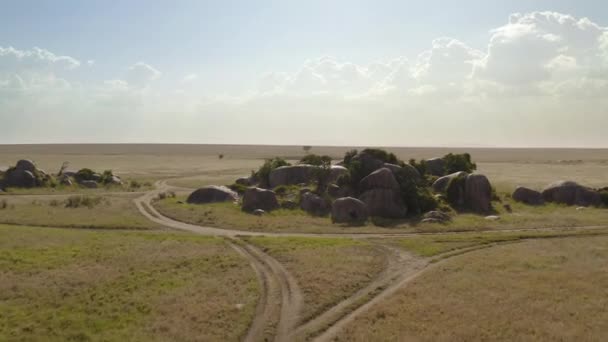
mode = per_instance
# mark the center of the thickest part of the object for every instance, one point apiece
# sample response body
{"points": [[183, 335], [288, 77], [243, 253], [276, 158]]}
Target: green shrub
{"points": [[415, 195], [313, 159], [106, 177], [381, 154], [420, 166], [459, 162], [238, 188], [269, 165], [85, 174]]}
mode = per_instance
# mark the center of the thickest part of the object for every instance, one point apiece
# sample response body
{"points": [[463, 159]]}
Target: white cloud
{"points": [[534, 47], [141, 74], [36, 58]]}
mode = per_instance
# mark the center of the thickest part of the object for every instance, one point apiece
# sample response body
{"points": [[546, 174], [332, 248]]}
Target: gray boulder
{"points": [[571, 193], [89, 184], [379, 179], [314, 204], [527, 196], [212, 194], [256, 198], [20, 178], [478, 193], [348, 210], [26, 165], [336, 172], [333, 190], [435, 166], [407, 169], [291, 175], [384, 203], [441, 185]]}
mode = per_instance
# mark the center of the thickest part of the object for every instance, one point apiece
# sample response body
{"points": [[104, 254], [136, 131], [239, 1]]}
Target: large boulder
{"points": [[384, 202], [314, 204], [336, 172], [571, 193], [441, 185], [435, 166], [527, 196], [379, 179], [478, 193], [367, 162], [26, 165], [256, 198], [348, 210], [291, 175], [20, 178], [212, 194], [407, 169]]}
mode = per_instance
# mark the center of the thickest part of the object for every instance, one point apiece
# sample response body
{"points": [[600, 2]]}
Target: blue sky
{"points": [[225, 48]]}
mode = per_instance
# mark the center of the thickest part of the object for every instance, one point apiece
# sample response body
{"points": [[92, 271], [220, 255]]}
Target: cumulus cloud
{"points": [[540, 46]]}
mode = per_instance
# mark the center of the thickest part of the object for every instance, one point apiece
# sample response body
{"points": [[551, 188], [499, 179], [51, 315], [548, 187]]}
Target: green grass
{"points": [[433, 245], [62, 285], [105, 212]]}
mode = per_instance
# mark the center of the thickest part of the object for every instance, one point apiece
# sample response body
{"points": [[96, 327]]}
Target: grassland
{"points": [[62, 285], [553, 289], [327, 270], [228, 215], [109, 212]]}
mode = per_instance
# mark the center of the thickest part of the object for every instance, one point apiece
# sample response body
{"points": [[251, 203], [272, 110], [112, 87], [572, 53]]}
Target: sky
{"points": [[369, 73]]}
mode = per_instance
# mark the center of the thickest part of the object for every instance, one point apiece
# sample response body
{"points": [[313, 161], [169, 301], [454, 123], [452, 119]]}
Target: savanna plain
{"points": [[137, 262]]}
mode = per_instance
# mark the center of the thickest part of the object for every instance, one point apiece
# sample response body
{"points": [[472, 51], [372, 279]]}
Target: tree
{"points": [[306, 148], [221, 156]]}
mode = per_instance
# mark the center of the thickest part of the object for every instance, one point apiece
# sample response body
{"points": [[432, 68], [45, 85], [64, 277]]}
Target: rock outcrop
{"points": [[314, 204], [291, 175], [527, 196], [212, 194], [256, 198], [478, 193], [571, 193], [348, 210]]}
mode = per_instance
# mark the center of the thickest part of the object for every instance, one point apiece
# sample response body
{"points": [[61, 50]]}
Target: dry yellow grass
{"points": [[61, 285], [547, 290], [327, 270]]}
